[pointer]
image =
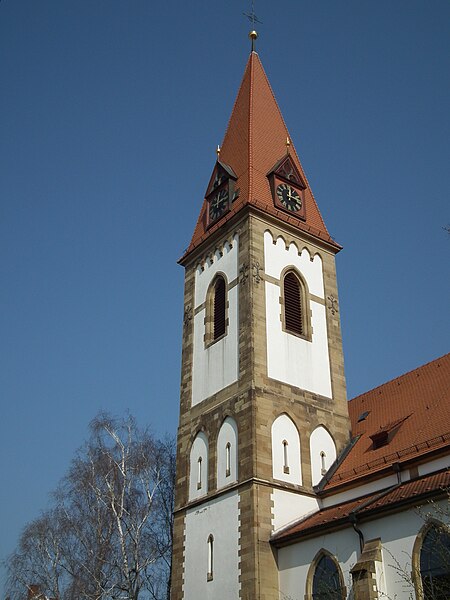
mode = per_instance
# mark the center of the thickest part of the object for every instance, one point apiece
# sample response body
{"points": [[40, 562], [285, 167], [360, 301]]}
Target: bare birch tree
{"points": [[108, 535]]}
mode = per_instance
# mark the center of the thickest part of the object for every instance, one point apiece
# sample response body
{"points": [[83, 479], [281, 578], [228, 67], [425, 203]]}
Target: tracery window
{"points": [[327, 581], [435, 563], [294, 299]]}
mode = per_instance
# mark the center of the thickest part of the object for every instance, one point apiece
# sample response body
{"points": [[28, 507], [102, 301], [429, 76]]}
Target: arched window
{"points": [[327, 580], [294, 304], [228, 459], [323, 466], [435, 563], [210, 572], [216, 310], [199, 473], [219, 308], [285, 457]]}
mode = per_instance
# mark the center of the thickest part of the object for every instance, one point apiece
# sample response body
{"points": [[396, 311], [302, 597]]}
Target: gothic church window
{"points": [[327, 580], [228, 459], [295, 313], [435, 563]]}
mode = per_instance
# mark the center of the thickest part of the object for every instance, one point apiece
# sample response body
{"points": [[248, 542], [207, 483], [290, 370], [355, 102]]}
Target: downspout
{"points": [[353, 515], [353, 520]]}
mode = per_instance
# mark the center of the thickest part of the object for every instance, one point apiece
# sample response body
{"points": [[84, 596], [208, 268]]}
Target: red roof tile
{"points": [[254, 141], [386, 500], [413, 408]]}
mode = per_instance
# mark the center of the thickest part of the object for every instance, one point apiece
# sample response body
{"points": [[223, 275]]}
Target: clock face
{"points": [[218, 204], [289, 197]]}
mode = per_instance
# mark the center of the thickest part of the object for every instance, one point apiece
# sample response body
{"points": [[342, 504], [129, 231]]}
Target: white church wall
{"points": [[361, 490], [289, 507], [286, 448], [434, 465], [219, 518], [198, 467], [323, 453], [294, 560], [227, 466], [217, 365], [290, 358]]}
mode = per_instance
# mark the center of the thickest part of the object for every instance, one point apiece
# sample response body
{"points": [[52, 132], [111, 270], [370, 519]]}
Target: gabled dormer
{"points": [[220, 192], [288, 187]]}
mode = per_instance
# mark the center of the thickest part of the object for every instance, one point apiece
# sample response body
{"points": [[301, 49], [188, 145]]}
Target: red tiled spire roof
{"points": [[254, 141]]}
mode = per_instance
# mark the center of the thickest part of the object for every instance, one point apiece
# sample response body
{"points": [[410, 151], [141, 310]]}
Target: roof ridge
{"points": [[419, 368]]}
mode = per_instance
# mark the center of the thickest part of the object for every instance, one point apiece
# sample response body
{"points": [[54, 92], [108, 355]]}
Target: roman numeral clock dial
{"points": [[289, 197]]}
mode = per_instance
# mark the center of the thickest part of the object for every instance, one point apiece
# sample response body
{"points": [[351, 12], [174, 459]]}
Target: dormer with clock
{"points": [[220, 192], [288, 187]]}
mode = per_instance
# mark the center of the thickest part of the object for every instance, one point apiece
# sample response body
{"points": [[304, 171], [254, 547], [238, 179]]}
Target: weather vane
{"points": [[251, 16]]}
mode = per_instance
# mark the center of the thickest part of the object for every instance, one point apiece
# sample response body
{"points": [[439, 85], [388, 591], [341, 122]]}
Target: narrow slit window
{"points": [[285, 457], [228, 460], [210, 574], [199, 473], [219, 308], [323, 468], [293, 308]]}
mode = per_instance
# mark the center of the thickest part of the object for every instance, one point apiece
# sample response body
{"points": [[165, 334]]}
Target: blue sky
{"points": [[110, 113]]}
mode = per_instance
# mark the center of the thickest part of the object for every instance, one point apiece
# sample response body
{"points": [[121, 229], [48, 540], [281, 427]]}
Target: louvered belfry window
{"points": [[219, 308], [293, 313]]}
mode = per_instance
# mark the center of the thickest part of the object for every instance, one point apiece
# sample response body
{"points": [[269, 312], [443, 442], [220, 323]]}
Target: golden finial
{"points": [[288, 144], [218, 151], [253, 36]]}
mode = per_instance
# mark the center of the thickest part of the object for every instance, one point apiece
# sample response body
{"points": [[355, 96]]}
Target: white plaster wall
{"points": [[289, 507], [294, 560], [276, 258], [291, 359], [219, 517], [199, 449], [362, 490], [228, 434], [434, 465], [321, 441], [216, 366], [284, 429]]}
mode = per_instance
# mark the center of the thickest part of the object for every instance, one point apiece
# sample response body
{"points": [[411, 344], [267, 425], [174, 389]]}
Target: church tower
{"points": [[263, 411]]}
